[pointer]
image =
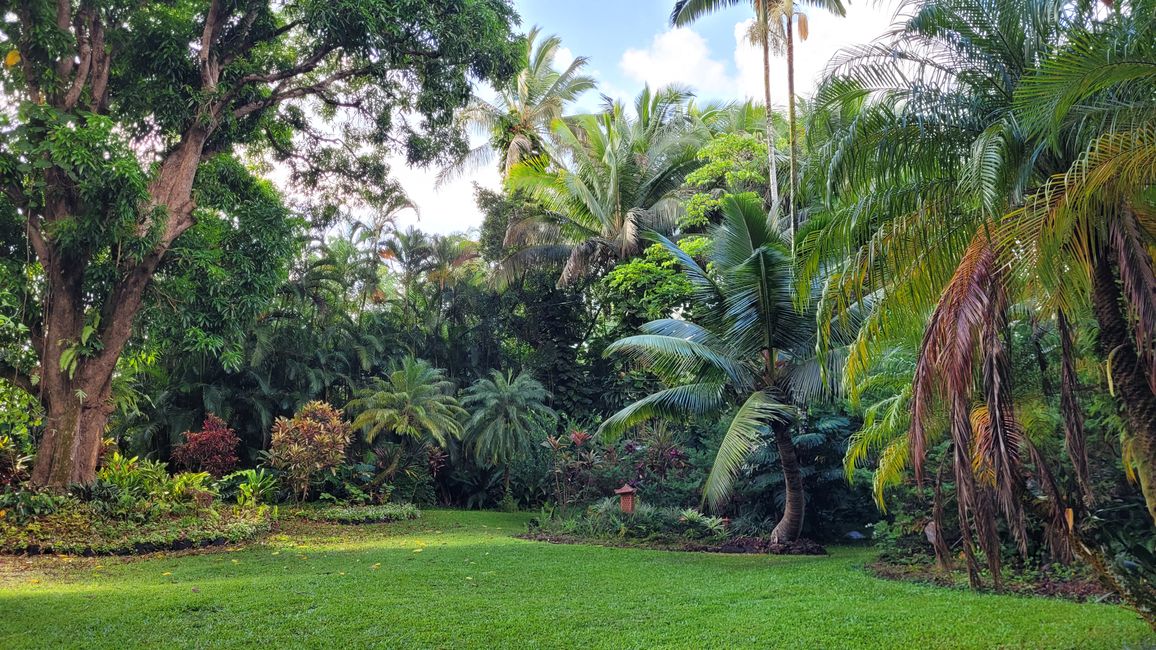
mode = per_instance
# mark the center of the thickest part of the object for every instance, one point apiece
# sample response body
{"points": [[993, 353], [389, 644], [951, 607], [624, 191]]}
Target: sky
{"points": [[629, 43]]}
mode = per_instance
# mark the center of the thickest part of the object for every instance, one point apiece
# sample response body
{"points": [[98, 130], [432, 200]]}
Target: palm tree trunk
{"points": [[1128, 377], [790, 527], [791, 120], [772, 172]]}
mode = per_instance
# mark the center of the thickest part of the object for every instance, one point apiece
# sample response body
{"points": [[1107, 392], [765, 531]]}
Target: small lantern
{"points": [[626, 498]]}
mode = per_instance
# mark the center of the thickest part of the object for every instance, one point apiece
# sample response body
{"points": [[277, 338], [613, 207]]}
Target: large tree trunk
{"points": [[1129, 378], [77, 396], [73, 437], [790, 527], [772, 172]]}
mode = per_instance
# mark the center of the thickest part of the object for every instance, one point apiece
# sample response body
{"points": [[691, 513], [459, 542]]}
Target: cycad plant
{"points": [[518, 123], [508, 410], [605, 179], [414, 402], [748, 345]]}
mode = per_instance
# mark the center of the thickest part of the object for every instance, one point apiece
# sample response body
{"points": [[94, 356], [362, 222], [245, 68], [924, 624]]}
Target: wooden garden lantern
{"points": [[626, 498]]}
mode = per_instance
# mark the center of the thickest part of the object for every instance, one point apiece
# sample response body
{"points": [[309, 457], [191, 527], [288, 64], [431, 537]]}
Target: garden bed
{"points": [[1062, 582], [739, 545], [358, 515], [78, 531]]}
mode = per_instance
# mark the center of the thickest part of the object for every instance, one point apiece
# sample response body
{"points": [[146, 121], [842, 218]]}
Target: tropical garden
{"points": [[868, 366]]}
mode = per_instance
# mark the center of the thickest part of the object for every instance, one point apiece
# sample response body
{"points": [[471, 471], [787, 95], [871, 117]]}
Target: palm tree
{"points": [[790, 15], [518, 123], [935, 151], [688, 11], [748, 343], [415, 401], [507, 411], [1094, 102], [609, 177]]}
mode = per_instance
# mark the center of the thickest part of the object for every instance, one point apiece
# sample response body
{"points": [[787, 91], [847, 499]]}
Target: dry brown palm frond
{"points": [[1070, 407]]}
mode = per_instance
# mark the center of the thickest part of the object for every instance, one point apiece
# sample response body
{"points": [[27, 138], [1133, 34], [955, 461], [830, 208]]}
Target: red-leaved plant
{"points": [[213, 449]]}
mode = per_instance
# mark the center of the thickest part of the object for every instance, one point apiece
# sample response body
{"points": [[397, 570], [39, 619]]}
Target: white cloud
{"points": [[678, 56], [563, 57]]}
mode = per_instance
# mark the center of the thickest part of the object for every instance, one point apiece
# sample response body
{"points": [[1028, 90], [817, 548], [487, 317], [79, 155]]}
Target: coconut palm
{"points": [[507, 410], [518, 122], [688, 11], [789, 14], [748, 344], [607, 178], [415, 401]]}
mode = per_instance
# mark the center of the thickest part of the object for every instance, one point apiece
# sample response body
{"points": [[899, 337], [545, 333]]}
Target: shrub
{"points": [[212, 450], [135, 477], [365, 514], [250, 487], [193, 487], [604, 520], [313, 442], [72, 526], [22, 505]]}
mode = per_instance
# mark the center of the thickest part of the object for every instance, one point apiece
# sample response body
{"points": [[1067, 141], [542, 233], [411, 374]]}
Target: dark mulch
{"points": [[763, 545], [1068, 587], [132, 549], [753, 545]]}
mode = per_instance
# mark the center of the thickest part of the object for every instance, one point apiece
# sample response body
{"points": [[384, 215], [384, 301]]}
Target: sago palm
{"points": [[748, 344], [605, 179], [508, 410], [415, 401]]}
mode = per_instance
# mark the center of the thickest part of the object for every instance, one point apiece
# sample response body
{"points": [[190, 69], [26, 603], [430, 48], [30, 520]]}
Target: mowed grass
{"points": [[460, 580]]}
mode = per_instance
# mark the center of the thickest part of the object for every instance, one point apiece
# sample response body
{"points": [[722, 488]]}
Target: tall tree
{"points": [[608, 177], [747, 343], [519, 121], [788, 13], [688, 11], [113, 111]]}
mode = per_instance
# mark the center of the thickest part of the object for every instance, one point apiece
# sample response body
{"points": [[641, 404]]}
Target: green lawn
{"points": [[459, 580]]}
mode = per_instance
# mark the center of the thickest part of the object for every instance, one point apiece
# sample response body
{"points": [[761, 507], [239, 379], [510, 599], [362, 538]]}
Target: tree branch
{"points": [[299, 91], [209, 69], [17, 378], [85, 26]]}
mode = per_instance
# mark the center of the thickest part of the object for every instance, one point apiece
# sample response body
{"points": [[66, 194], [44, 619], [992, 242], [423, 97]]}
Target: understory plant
{"points": [[358, 514], [605, 520], [213, 449], [311, 443]]}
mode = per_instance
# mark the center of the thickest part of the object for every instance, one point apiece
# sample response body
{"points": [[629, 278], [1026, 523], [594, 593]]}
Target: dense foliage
{"points": [[930, 285]]}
